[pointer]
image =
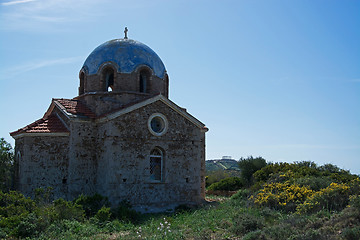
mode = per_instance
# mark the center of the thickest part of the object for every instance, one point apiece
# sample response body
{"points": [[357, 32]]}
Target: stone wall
{"points": [[112, 158], [124, 165], [83, 154], [42, 162], [104, 102]]}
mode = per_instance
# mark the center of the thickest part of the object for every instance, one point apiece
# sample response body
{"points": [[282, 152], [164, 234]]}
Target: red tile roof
{"points": [[75, 107], [51, 124]]}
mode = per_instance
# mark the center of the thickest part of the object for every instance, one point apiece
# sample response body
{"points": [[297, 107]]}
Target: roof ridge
{"points": [[80, 108]]}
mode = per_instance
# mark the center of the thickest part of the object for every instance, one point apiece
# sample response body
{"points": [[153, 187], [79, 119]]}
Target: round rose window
{"points": [[157, 124]]}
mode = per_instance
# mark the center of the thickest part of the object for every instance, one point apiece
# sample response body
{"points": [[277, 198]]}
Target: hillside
{"points": [[221, 164]]}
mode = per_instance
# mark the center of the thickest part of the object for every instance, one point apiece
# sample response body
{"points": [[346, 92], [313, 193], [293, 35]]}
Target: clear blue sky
{"points": [[273, 78]]}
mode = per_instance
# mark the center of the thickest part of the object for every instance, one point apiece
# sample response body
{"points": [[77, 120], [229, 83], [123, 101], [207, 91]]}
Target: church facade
{"points": [[121, 137]]}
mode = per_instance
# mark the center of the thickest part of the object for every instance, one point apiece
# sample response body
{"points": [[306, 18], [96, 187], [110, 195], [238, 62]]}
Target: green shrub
{"points": [[124, 212], [215, 176], [249, 166], [3, 234], [72, 229], [343, 177], [43, 196], [103, 215], [14, 207], [351, 233], [28, 226], [243, 223], [310, 234], [280, 231], [242, 194], [92, 204], [329, 168], [6, 165], [284, 196], [298, 169], [354, 185], [355, 201], [304, 169], [334, 197], [314, 183], [256, 235], [227, 184], [183, 208], [67, 210]]}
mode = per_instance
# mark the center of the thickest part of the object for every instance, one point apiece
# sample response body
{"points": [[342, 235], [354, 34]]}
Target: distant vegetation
{"points": [[221, 164], [268, 201], [6, 165]]}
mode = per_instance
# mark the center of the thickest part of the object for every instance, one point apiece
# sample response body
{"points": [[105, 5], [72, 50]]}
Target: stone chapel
{"points": [[121, 137]]}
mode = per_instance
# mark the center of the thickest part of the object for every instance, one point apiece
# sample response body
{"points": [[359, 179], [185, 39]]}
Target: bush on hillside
{"points": [[303, 169], [67, 210], [242, 194], [92, 204], [283, 196], [244, 223], [44, 196], [227, 184], [249, 166], [355, 201], [333, 198], [13, 208], [124, 212], [6, 165], [314, 183], [103, 215], [215, 176]]}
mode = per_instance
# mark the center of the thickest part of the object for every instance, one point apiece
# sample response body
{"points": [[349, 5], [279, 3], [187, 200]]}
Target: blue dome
{"points": [[127, 54]]}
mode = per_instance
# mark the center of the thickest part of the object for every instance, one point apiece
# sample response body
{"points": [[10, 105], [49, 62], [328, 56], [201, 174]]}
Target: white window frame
{"points": [[161, 156], [164, 121]]}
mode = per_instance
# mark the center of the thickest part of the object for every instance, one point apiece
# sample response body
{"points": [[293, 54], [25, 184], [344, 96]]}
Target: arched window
{"points": [[82, 83], [108, 79], [156, 165], [144, 80]]}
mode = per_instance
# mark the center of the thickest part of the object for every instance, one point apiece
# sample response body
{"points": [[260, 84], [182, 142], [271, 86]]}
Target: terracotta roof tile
{"points": [[51, 124], [76, 107]]}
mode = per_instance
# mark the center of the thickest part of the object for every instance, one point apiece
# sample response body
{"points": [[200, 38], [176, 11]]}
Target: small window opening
{"points": [[144, 80], [157, 124], [156, 165], [109, 81], [64, 180], [124, 179], [187, 180], [82, 84]]}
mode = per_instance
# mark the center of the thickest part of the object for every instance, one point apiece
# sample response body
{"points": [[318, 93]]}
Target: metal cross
{"points": [[125, 31]]}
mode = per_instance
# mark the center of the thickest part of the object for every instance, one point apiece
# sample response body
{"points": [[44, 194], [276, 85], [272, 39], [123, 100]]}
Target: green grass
{"points": [[232, 218]]}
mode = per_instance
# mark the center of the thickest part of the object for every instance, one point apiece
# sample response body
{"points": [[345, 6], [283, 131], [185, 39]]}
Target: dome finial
{"points": [[125, 31]]}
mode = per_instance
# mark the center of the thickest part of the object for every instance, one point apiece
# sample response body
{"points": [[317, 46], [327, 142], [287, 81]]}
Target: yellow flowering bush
{"points": [[281, 195], [334, 197]]}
